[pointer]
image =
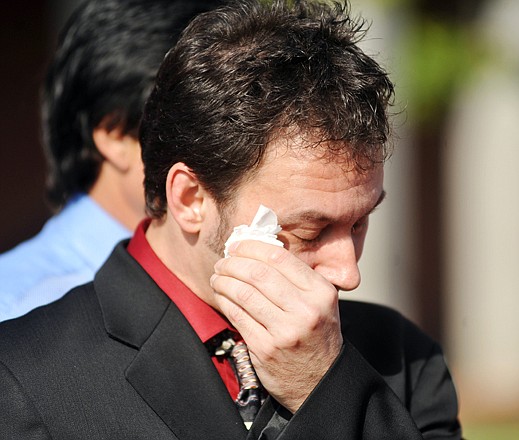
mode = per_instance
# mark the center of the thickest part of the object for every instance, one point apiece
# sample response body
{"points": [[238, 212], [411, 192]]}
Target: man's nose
{"points": [[338, 263]]}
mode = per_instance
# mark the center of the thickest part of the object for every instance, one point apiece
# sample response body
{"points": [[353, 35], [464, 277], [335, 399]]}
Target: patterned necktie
{"points": [[251, 394]]}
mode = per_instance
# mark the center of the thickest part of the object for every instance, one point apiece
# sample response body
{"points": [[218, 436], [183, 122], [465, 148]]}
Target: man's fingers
{"points": [[258, 278], [291, 267], [242, 301]]}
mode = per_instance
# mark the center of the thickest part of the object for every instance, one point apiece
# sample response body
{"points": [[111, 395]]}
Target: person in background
{"points": [[103, 70], [259, 103]]}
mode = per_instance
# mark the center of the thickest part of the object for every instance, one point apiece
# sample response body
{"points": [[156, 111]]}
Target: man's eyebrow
{"points": [[381, 198], [316, 216]]}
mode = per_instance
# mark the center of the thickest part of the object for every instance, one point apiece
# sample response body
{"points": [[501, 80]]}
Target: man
{"points": [[257, 104], [104, 66]]}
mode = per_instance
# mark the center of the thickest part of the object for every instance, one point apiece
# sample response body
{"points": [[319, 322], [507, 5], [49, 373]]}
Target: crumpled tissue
{"points": [[264, 227]]}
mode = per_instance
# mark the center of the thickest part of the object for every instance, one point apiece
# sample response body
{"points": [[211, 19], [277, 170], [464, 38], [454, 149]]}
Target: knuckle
{"points": [[278, 255], [245, 294], [235, 315], [259, 272], [268, 354], [290, 339], [330, 298], [222, 265], [312, 317]]}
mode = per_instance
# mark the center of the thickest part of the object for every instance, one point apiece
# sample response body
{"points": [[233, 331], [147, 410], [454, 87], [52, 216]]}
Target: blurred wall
{"points": [[28, 31], [25, 39], [482, 244]]}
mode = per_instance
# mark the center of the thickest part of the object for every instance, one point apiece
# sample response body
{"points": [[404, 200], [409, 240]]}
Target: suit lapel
{"points": [[172, 371], [176, 377]]}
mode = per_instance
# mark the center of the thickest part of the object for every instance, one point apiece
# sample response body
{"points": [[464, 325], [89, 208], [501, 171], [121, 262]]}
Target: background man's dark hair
{"points": [[241, 73], [107, 57]]}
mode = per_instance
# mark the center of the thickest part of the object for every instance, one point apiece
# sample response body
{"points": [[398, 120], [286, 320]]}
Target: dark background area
{"points": [[26, 40]]}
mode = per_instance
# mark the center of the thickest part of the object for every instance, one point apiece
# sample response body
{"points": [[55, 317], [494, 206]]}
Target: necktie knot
{"points": [[222, 343], [251, 394]]}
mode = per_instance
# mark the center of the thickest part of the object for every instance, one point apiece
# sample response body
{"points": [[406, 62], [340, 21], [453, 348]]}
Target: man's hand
{"points": [[287, 314]]}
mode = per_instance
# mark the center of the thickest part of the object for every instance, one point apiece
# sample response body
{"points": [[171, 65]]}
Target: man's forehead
{"points": [[313, 144], [303, 189], [308, 164]]}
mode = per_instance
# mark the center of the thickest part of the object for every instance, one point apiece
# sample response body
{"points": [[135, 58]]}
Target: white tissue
{"points": [[264, 227]]}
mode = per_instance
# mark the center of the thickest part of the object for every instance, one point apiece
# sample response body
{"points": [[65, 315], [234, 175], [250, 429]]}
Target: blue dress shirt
{"points": [[67, 252]]}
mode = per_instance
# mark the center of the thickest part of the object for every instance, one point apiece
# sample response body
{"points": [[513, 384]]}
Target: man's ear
{"points": [[185, 198], [116, 147]]}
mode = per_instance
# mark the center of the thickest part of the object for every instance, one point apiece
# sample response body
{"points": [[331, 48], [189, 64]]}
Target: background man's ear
{"points": [[117, 148], [185, 198], [118, 188]]}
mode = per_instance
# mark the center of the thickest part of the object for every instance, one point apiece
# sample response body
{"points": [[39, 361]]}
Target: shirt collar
{"points": [[205, 320]]}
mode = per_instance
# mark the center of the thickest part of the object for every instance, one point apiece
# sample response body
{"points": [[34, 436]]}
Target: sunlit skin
{"points": [[323, 210], [283, 301]]}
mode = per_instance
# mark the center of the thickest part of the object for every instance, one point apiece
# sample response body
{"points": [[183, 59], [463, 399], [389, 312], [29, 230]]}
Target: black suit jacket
{"points": [[115, 359]]}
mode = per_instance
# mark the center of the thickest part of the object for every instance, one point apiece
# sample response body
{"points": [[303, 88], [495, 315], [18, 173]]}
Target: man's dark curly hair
{"points": [[241, 74], [104, 68]]}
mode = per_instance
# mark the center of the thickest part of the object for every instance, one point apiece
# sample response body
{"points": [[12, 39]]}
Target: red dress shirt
{"points": [[205, 320]]}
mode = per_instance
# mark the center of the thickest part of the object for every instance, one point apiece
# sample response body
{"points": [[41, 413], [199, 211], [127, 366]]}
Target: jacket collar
{"points": [[172, 371]]}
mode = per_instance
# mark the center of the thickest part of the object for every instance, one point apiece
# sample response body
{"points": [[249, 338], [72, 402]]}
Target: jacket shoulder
{"points": [[384, 336], [370, 315], [40, 331]]}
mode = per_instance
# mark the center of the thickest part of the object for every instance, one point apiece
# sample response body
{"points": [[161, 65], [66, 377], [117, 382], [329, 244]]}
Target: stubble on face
{"points": [[215, 241]]}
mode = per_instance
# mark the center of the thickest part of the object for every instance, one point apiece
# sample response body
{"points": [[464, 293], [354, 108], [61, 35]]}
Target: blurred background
{"points": [[444, 247]]}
